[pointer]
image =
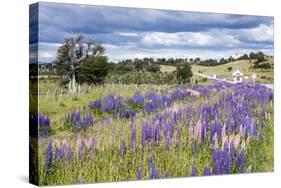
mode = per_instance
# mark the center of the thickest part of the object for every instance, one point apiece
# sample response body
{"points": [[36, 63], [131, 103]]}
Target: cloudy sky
{"points": [[138, 33]]}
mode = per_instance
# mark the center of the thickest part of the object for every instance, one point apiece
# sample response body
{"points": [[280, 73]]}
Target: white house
{"points": [[237, 76]]}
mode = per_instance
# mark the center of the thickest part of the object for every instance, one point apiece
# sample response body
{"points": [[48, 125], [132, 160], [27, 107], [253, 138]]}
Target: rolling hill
{"points": [[223, 71]]}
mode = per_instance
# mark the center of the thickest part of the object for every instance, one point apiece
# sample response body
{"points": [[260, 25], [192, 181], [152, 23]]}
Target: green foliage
{"points": [[184, 73], [262, 66], [136, 65], [259, 156], [62, 104], [245, 56], [93, 70], [81, 60], [142, 78], [204, 79]]}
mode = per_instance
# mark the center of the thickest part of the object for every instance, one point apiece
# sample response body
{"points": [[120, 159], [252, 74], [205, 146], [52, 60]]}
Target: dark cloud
{"points": [[67, 18], [128, 27]]}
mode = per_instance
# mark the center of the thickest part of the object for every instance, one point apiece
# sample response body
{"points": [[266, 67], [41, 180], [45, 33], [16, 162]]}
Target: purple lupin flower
{"points": [[227, 165], [76, 122], [155, 173], [44, 125], [48, 157], [139, 174], [217, 167], [69, 154], [156, 134], [108, 120], [193, 171], [194, 148], [150, 166], [166, 135], [80, 179], [95, 104], [240, 161], [207, 171], [133, 139], [165, 174], [231, 152], [59, 154]]}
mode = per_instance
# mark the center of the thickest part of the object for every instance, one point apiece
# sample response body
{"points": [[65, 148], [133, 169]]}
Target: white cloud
{"points": [[190, 39], [261, 33], [127, 34], [47, 51]]}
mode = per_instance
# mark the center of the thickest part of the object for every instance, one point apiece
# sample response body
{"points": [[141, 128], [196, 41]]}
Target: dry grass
{"points": [[167, 68]]}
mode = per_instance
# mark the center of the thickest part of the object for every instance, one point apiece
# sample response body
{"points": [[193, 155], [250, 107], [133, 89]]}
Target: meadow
{"points": [[117, 132]]}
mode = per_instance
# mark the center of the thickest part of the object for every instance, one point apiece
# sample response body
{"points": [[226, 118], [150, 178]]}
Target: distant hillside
{"points": [[245, 66]]}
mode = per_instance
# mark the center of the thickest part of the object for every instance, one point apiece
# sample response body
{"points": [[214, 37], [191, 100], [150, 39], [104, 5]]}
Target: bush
{"points": [[184, 73], [229, 69], [204, 80]]}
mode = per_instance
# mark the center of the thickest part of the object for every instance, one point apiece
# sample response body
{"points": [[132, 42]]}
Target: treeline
{"points": [[81, 60], [156, 78], [147, 71], [136, 65], [258, 57], [153, 65]]}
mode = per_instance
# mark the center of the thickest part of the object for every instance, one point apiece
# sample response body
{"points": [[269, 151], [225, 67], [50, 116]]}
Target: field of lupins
{"points": [[156, 132]]}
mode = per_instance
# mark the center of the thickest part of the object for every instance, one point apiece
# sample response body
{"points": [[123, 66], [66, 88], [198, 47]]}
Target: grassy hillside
{"points": [[264, 76], [167, 68]]}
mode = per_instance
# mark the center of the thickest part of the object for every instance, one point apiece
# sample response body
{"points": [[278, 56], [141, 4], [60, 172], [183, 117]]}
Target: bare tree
{"points": [[69, 56]]}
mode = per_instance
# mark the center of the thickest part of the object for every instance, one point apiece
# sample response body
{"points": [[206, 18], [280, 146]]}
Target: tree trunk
{"points": [[72, 86]]}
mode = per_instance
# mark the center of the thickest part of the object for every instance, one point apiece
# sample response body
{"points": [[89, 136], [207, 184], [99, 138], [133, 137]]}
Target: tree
{"points": [[229, 69], [252, 55], [184, 73], [153, 68], [70, 55], [245, 56], [260, 57], [93, 70], [197, 60], [230, 59]]}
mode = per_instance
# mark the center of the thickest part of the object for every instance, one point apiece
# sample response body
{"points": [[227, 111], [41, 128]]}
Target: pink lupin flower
{"points": [[241, 130], [268, 116], [80, 146], [223, 135], [198, 130], [265, 115], [236, 140], [89, 143]]}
